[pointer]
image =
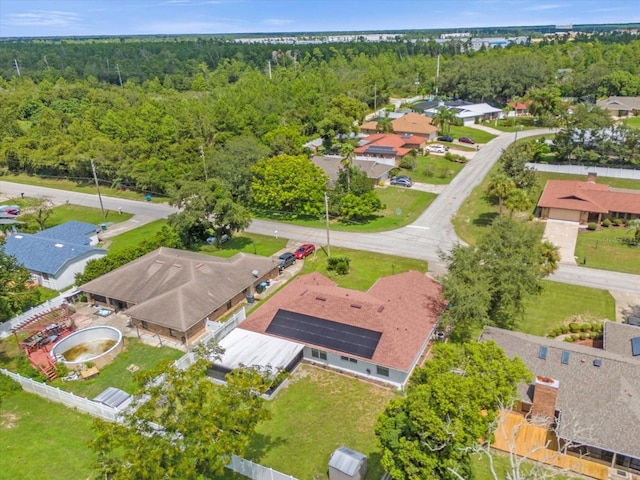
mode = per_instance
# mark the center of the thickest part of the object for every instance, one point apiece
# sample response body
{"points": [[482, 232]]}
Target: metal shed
{"points": [[114, 397], [347, 464]]}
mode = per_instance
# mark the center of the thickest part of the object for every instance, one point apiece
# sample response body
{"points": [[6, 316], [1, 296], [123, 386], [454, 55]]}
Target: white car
{"points": [[437, 148]]}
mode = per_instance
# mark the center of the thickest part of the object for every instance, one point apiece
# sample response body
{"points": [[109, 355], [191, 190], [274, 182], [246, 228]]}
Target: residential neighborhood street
{"points": [[431, 233]]}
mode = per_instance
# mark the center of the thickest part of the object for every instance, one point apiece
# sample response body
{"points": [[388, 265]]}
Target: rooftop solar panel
{"points": [[635, 346], [325, 333], [381, 150]]}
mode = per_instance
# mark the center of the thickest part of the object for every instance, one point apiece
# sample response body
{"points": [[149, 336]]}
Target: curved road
{"points": [[423, 239]]}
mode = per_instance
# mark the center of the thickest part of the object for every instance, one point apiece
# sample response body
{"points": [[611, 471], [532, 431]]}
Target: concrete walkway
{"points": [[490, 130], [564, 234], [118, 228]]}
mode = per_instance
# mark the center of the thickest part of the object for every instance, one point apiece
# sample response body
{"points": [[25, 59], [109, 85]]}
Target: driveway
{"points": [[564, 234]]}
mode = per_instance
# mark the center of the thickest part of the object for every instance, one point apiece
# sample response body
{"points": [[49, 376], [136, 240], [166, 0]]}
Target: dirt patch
{"points": [[8, 420]]}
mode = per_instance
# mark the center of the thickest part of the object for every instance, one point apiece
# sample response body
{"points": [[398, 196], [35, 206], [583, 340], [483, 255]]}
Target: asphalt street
{"points": [[424, 239]]}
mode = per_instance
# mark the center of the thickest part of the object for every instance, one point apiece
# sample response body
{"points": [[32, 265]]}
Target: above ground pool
{"points": [[98, 345]]}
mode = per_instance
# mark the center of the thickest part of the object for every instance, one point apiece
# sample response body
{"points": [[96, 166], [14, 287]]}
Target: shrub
{"points": [[564, 329], [429, 171], [617, 222], [8, 386], [592, 226], [574, 327], [574, 337], [585, 327], [583, 336], [339, 264], [606, 223]]}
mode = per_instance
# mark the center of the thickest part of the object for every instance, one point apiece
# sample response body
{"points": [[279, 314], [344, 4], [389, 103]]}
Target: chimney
{"points": [[592, 177], [545, 395]]}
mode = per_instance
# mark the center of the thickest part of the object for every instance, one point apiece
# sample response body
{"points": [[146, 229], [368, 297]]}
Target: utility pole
{"points": [[326, 212], [95, 177], [204, 165], [119, 76], [15, 60], [437, 73], [375, 96], [269, 67]]}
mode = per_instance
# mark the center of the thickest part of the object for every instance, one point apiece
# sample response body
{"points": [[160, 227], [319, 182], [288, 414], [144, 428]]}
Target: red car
{"points": [[304, 250]]}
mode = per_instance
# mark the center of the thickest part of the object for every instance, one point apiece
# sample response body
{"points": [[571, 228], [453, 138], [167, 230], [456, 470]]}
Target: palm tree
{"points": [[499, 186], [635, 229], [517, 201], [550, 254], [347, 151], [444, 117]]}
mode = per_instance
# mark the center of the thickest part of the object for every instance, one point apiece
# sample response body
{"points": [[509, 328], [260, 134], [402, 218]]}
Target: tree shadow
{"points": [[485, 219], [632, 311], [260, 444]]}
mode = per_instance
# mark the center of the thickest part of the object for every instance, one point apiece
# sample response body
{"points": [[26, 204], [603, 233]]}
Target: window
{"points": [[565, 358], [145, 325], [173, 333], [542, 353], [382, 371], [318, 354], [45, 276], [342, 357], [229, 305], [353, 360]]}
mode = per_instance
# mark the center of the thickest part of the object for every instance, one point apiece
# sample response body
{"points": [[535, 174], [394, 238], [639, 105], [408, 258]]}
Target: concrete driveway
{"points": [[564, 234]]}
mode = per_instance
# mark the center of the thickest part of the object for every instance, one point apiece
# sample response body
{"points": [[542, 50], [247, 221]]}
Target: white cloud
{"points": [[543, 6], [42, 18], [277, 21]]}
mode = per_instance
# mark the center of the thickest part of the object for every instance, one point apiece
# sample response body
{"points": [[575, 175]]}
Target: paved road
{"points": [[431, 233]]}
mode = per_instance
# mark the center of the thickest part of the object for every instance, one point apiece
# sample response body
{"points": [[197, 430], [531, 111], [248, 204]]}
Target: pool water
{"points": [[88, 350]]}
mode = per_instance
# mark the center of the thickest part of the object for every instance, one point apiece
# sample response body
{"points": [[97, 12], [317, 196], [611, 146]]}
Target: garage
{"points": [[562, 214]]}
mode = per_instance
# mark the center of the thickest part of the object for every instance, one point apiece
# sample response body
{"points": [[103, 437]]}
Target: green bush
{"points": [[8, 386], [592, 226], [606, 223], [585, 327], [574, 337], [583, 336], [574, 327], [568, 339], [339, 264], [564, 329], [617, 222]]}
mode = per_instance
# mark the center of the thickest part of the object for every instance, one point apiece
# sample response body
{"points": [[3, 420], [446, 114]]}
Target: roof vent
{"points": [[303, 293], [18, 237], [356, 305], [160, 262], [176, 265], [380, 308], [321, 298], [199, 265], [597, 362], [59, 245]]}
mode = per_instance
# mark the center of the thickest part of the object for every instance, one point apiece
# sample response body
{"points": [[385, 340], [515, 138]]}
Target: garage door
{"points": [[561, 214]]}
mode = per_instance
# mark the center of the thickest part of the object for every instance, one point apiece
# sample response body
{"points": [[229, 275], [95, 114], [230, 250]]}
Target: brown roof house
{"points": [[376, 171], [389, 148], [174, 292], [587, 201], [621, 106], [587, 398], [379, 334], [411, 123]]}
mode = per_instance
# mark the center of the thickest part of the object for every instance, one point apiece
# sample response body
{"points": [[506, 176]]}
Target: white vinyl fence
{"points": [[5, 328], [54, 394], [255, 471], [583, 170]]}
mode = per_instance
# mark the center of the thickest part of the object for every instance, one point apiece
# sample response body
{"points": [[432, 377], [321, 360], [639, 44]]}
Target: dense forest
{"points": [[153, 112]]}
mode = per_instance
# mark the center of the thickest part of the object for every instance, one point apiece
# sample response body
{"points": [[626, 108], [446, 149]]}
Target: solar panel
{"points": [[325, 333], [543, 352], [565, 357], [378, 149], [635, 346]]}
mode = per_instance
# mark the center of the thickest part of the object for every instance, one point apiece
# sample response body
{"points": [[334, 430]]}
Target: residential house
{"points": [[621, 106], [588, 397], [376, 171], [389, 148], [411, 124], [55, 255], [587, 201], [519, 108], [469, 114], [379, 334], [174, 292]]}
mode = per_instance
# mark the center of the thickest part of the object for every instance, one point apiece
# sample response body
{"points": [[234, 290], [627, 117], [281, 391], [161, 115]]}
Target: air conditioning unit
{"points": [[616, 474]]}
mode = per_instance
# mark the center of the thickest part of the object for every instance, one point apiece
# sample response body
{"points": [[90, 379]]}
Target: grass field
{"points": [[83, 186], [135, 236], [603, 250], [316, 413], [558, 302], [40, 440], [633, 122], [366, 267], [65, 213], [479, 136], [244, 242], [402, 207], [434, 169]]}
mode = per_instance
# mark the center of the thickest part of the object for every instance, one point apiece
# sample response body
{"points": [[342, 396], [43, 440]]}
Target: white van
{"points": [[436, 148]]}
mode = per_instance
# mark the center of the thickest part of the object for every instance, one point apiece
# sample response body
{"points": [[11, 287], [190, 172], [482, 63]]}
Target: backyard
{"points": [[604, 249]]}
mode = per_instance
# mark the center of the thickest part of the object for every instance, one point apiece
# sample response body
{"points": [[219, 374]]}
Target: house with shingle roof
{"points": [[388, 148], [379, 334], [174, 293], [55, 255], [411, 123], [621, 106], [332, 165], [590, 396], [583, 202]]}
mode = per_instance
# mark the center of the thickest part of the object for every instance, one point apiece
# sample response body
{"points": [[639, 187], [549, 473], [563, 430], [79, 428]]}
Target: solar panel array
{"points": [[635, 346], [349, 339], [380, 150]]}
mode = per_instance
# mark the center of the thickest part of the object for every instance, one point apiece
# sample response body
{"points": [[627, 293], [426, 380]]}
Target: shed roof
{"points": [[346, 460], [604, 401], [114, 397]]}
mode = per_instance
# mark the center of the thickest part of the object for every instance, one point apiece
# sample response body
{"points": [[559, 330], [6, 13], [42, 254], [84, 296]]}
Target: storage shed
{"points": [[347, 464]]}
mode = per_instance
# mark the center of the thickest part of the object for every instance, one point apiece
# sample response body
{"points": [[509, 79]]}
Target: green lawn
{"points": [[559, 302], [40, 440], [434, 169], [65, 213], [116, 374], [604, 250], [86, 186], [317, 412], [366, 267], [507, 125], [133, 237], [480, 136], [403, 206], [633, 122], [244, 242]]}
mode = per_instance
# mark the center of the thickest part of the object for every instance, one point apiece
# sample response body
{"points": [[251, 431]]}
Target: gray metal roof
{"points": [[114, 397], [600, 405], [243, 347], [346, 460]]}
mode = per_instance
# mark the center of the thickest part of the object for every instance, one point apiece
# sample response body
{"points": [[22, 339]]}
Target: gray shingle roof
{"points": [[41, 254], [176, 288], [617, 339], [70, 232], [603, 401]]}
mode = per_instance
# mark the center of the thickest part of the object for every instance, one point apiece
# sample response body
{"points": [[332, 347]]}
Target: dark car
{"points": [[401, 181], [286, 260], [304, 250], [467, 140], [445, 138]]}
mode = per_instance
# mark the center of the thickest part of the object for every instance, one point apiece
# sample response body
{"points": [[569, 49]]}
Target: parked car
{"points": [[401, 181], [436, 148], [445, 138], [10, 209], [467, 140], [286, 260], [223, 239], [304, 250]]}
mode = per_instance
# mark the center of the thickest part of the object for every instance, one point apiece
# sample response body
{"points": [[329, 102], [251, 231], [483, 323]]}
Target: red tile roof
{"points": [[588, 197], [400, 143], [404, 307]]}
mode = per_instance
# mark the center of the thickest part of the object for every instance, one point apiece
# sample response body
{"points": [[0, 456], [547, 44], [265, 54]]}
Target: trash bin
{"points": [[250, 298], [103, 227], [261, 287], [148, 197]]}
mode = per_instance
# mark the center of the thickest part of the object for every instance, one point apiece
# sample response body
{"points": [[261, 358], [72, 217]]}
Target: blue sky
{"points": [[33, 18]]}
